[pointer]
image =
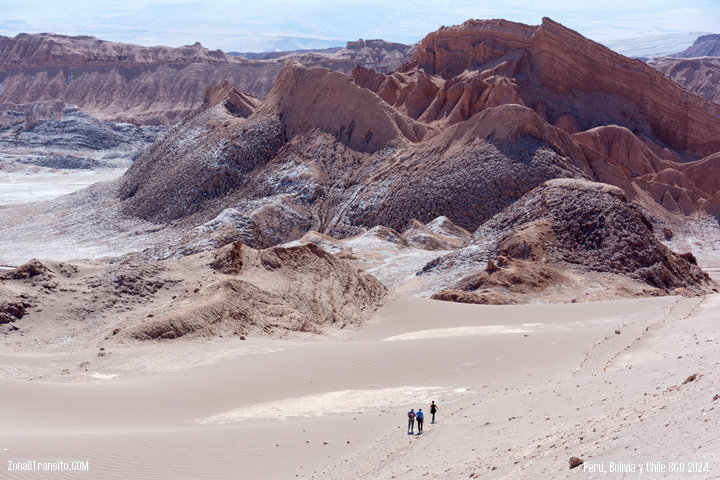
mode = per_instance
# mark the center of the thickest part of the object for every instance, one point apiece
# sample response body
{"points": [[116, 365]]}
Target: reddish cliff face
{"points": [[152, 85], [567, 79], [699, 75]]}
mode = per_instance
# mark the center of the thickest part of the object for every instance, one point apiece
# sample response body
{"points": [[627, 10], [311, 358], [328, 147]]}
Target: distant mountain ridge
{"points": [[704, 46], [153, 85], [696, 68], [53, 50]]}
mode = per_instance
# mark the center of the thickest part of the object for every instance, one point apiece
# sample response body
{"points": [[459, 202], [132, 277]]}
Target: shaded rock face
{"points": [[199, 161], [11, 311], [469, 186], [302, 289], [573, 224], [675, 184]]}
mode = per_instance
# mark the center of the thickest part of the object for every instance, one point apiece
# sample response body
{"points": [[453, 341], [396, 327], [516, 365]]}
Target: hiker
{"points": [[420, 419], [433, 409], [411, 421]]}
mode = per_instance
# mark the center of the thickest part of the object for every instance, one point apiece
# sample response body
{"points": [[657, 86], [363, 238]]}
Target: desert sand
{"points": [[520, 390]]}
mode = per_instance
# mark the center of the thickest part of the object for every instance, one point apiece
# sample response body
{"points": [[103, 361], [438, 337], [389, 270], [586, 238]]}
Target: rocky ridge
{"points": [[704, 46], [699, 75], [568, 80], [151, 85]]}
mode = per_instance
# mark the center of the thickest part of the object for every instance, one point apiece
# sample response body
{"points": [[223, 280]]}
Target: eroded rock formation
{"points": [[562, 228], [152, 85]]}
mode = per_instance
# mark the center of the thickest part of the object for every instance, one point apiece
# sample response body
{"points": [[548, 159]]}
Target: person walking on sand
{"points": [[433, 410], [420, 417], [411, 421]]}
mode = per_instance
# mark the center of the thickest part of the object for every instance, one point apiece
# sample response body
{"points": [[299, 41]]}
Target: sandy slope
{"points": [[520, 388]]}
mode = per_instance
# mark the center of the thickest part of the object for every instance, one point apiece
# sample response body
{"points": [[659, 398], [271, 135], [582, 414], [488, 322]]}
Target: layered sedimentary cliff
{"points": [[567, 79], [151, 85], [699, 75]]}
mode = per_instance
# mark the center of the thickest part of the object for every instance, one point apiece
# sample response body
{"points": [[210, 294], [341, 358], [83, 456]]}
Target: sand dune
{"points": [[520, 388]]}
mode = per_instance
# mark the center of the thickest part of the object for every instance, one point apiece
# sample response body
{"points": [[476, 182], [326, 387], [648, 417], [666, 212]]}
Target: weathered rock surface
{"points": [[555, 71], [663, 174], [302, 289], [561, 228], [55, 135], [234, 290], [699, 75]]}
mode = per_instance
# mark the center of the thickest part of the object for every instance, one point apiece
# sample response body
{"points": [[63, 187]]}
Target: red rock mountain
{"points": [[463, 131], [565, 78], [150, 85]]}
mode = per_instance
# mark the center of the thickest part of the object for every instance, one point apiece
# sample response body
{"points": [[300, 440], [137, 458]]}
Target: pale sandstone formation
{"points": [[308, 98], [233, 291], [296, 289]]}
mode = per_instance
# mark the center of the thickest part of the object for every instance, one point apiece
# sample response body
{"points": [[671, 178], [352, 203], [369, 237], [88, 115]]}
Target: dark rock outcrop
{"points": [[563, 226], [65, 137]]}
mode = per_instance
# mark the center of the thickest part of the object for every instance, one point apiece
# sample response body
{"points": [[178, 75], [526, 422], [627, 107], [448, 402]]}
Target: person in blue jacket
{"points": [[420, 417]]}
